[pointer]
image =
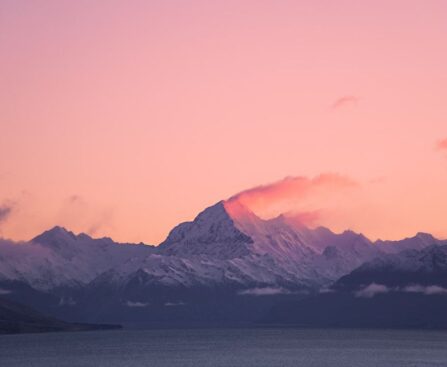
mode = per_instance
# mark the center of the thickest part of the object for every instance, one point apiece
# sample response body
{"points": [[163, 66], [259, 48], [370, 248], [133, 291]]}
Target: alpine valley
{"points": [[229, 267]]}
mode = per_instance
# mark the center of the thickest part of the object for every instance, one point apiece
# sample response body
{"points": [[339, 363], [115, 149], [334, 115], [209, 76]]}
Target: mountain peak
{"points": [[214, 212], [238, 211], [418, 241], [424, 236], [55, 234], [58, 229], [212, 232]]}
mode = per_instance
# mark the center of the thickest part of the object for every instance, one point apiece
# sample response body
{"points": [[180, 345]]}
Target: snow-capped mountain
{"points": [[227, 243], [418, 242], [58, 257], [225, 255], [228, 231], [212, 233], [424, 267], [224, 244]]}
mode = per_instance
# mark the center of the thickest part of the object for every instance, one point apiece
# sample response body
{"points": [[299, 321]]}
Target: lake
{"points": [[227, 347]]}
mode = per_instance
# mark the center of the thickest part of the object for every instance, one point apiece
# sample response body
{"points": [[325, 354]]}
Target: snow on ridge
{"points": [[225, 244]]}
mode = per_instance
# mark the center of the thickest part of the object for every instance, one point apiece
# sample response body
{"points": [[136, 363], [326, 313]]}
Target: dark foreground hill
{"points": [[16, 318]]}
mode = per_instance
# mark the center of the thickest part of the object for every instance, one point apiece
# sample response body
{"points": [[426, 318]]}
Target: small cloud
{"points": [[67, 301], [442, 145], [326, 290], [371, 290], [136, 304], [413, 289], [267, 291], [344, 101], [75, 198], [434, 289], [5, 211], [173, 304], [4, 291], [428, 290]]}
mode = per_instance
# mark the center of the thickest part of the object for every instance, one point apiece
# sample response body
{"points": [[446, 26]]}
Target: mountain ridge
{"points": [[225, 253]]}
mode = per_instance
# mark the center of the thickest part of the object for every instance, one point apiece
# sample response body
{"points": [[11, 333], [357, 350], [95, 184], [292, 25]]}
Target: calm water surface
{"points": [[226, 347]]}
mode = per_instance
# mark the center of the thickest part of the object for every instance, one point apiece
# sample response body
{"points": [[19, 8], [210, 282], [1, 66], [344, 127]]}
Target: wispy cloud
{"points": [[76, 212], [326, 290], [67, 301], [442, 145], [372, 290], [307, 219], [6, 210], [344, 101], [4, 291], [266, 291], [174, 304], [290, 190], [428, 290], [136, 304]]}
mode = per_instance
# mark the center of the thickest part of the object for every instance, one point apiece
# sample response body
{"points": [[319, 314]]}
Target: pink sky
{"points": [[123, 118]]}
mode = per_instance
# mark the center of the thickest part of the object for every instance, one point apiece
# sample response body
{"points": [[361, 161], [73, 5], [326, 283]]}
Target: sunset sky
{"points": [[124, 118]]}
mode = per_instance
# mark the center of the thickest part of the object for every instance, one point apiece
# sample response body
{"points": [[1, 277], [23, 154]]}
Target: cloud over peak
{"points": [[291, 193]]}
